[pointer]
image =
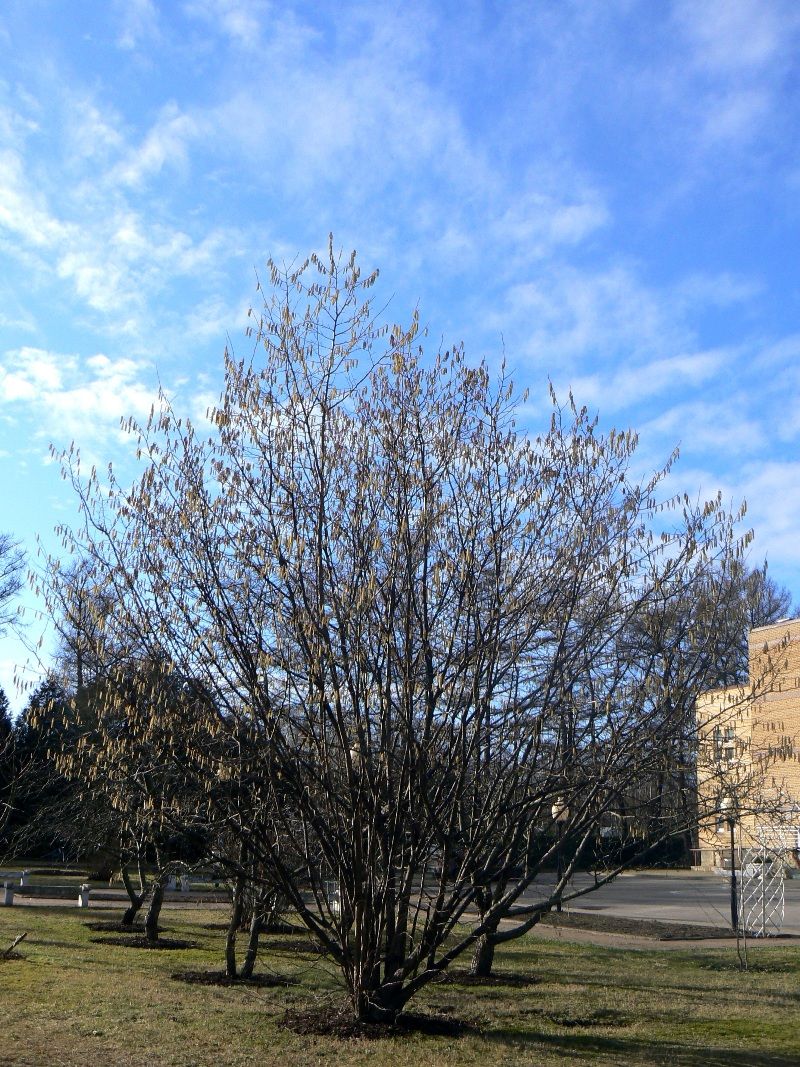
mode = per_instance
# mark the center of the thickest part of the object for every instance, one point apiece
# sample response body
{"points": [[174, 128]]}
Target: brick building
{"points": [[749, 752]]}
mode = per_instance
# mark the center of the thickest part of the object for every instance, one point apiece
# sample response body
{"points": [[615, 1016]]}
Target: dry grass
{"points": [[71, 1001]]}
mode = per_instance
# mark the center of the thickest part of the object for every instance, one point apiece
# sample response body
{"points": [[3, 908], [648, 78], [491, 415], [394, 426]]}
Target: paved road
{"points": [[673, 897], [666, 895]]}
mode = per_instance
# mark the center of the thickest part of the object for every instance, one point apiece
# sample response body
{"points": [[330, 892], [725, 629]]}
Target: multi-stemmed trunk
{"points": [[136, 899], [256, 926], [487, 942], [237, 909], [260, 907], [154, 911]]}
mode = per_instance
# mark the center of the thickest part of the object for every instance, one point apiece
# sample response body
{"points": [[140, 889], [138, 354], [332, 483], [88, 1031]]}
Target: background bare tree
{"points": [[12, 562], [413, 625], [7, 767]]}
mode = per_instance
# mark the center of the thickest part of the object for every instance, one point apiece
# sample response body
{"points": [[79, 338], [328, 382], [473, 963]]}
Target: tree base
{"points": [[322, 1022]]}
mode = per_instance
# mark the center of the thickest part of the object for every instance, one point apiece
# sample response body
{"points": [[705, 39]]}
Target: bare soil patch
{"points": [[656, 929], [138, 941], [280, 926], [333, 1022], [112, 927]]}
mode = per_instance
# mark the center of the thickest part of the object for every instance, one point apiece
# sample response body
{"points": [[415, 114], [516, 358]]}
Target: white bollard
{"points": [[8, 895], [23, 878], [83, 896]]}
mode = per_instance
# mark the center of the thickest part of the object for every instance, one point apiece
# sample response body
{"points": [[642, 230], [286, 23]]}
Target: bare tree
{"points": [[12, 562], [7, 765], [413, 624]]}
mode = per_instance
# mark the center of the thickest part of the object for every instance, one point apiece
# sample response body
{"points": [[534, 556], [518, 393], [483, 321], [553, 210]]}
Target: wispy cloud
{"points": [[738, 53], [165, 145], [631, 385], [242, 21], [566, 317], [708, 428], [138, 22], [736, 35], [118, 260]]}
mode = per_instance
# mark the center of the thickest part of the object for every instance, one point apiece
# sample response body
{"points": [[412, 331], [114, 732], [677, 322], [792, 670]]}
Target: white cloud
{"points": [[707, 427], [541, 220], [240, 20], [139, 22], [118, 259], [19, 321], [91, 132], [735, 35], [22, 209], [772, 491], [738, 54], [716, 290], [735, 115], [780, 354], [73, 398], [28, 374], [632, 384], [164, 145], [566, 316]]}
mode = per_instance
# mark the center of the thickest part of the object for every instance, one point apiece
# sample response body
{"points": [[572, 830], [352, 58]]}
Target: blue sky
{"points": [[608, 190]]}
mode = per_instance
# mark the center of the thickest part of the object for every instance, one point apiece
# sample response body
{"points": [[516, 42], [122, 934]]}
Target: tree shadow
{"points": [[623, 1049]]}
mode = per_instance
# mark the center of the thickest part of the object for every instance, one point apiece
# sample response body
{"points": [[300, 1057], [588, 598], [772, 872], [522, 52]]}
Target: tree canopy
{"points": [[409, 635]]}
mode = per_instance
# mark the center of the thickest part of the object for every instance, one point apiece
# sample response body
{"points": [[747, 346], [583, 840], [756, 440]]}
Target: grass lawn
{"points": [[72, 1001]]}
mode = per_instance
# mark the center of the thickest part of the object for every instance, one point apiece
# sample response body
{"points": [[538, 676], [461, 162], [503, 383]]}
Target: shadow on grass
{"points": [[126, 941], [497, 979], [684, 988], [221, 978], [112, 927], [42, 942], [295, 946], [568, 1046], [338, 1022], [762, 966], [601, 1017]]}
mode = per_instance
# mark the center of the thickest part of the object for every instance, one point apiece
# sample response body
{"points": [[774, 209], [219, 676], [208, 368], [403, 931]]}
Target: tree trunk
{"points": [[381, 1005], [483, 953], [486, 945], [483, 956], [136, 899], [237, 905], [256, 926], [154, 911]]}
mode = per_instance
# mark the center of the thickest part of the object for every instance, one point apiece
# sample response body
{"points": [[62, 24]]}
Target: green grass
{"points": [[70, 1001]]}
